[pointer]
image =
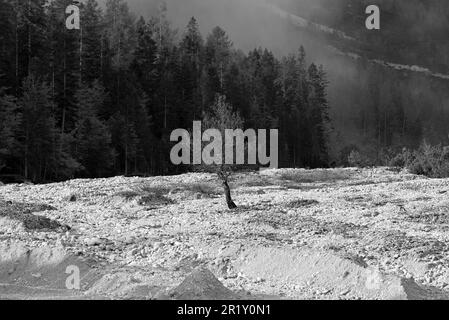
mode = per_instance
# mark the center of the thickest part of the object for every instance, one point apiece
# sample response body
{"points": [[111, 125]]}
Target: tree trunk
{"points": [[227, 191], [61, 141], [17, 84], [29, 38], [26, 160], [101, 59], [165, 111], [126, 158], [81, 57]]}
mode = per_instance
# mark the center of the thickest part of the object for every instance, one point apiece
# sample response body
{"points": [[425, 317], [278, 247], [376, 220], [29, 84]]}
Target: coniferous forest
{"points": [[103, 100]]}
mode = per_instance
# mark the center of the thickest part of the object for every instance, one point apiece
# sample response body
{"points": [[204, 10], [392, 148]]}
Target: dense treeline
{"points": [[103, 100]]}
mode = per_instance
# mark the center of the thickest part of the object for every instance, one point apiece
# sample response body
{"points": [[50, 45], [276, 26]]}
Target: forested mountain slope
{"points": [[387, 88]]}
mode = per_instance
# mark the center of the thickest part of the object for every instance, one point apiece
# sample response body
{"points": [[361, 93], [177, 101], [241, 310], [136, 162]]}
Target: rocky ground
{"points": [[297, 234]]}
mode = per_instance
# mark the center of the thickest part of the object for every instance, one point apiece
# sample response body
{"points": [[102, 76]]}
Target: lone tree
{"points": [[221, 116]]}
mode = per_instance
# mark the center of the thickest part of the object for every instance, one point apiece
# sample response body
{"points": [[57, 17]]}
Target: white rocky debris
{"points": [[297, 234]]}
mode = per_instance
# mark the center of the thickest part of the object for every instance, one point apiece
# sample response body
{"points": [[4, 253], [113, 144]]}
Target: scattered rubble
{"points": [[297, 234]]}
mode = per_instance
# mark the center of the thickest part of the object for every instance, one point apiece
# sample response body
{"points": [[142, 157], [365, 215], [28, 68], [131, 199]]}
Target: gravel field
{"points": [[297, 234]]}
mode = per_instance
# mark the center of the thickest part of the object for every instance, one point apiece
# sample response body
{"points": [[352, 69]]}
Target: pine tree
{"points": [[120, 31], [32, 37], [192, 48], [65, 46], [9, 124], [262, 70], [144, 65], [23, 43], [120, 37], [38, 135], [124, 140], [91, 50], [7, 45], [292, 112], [319, 117], [218, 58], [167, 63], [92, 140]]}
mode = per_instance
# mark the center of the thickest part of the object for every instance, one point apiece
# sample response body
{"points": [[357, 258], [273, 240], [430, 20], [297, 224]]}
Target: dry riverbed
{"points": [[297, 234]]}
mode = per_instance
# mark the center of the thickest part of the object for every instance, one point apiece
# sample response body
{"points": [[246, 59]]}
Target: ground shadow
{"points": [[24, 212]]}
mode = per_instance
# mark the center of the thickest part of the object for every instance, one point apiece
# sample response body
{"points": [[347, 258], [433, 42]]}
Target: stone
{"points": [[416, 268], [93, 241], [128, 240], [345, 292], [158, 245]]}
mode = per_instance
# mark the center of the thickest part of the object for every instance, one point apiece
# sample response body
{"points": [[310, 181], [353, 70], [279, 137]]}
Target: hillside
{"points": [[387, 88], [412, 32], [329, 234]]}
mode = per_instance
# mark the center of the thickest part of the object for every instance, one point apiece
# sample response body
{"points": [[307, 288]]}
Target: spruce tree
{"points": [[192, 48], [38, 133], [9, 124], [91, 49], [217, 58], [319, 117], [92, 140]]}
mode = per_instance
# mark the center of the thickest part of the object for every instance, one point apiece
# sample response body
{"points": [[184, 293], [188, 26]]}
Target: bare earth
{"points": [[297, 234]]}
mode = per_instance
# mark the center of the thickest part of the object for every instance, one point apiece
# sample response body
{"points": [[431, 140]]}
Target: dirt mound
{"points": [[36, 272], [201, 284], [124, 285], [327, 272], [43, 272]]}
